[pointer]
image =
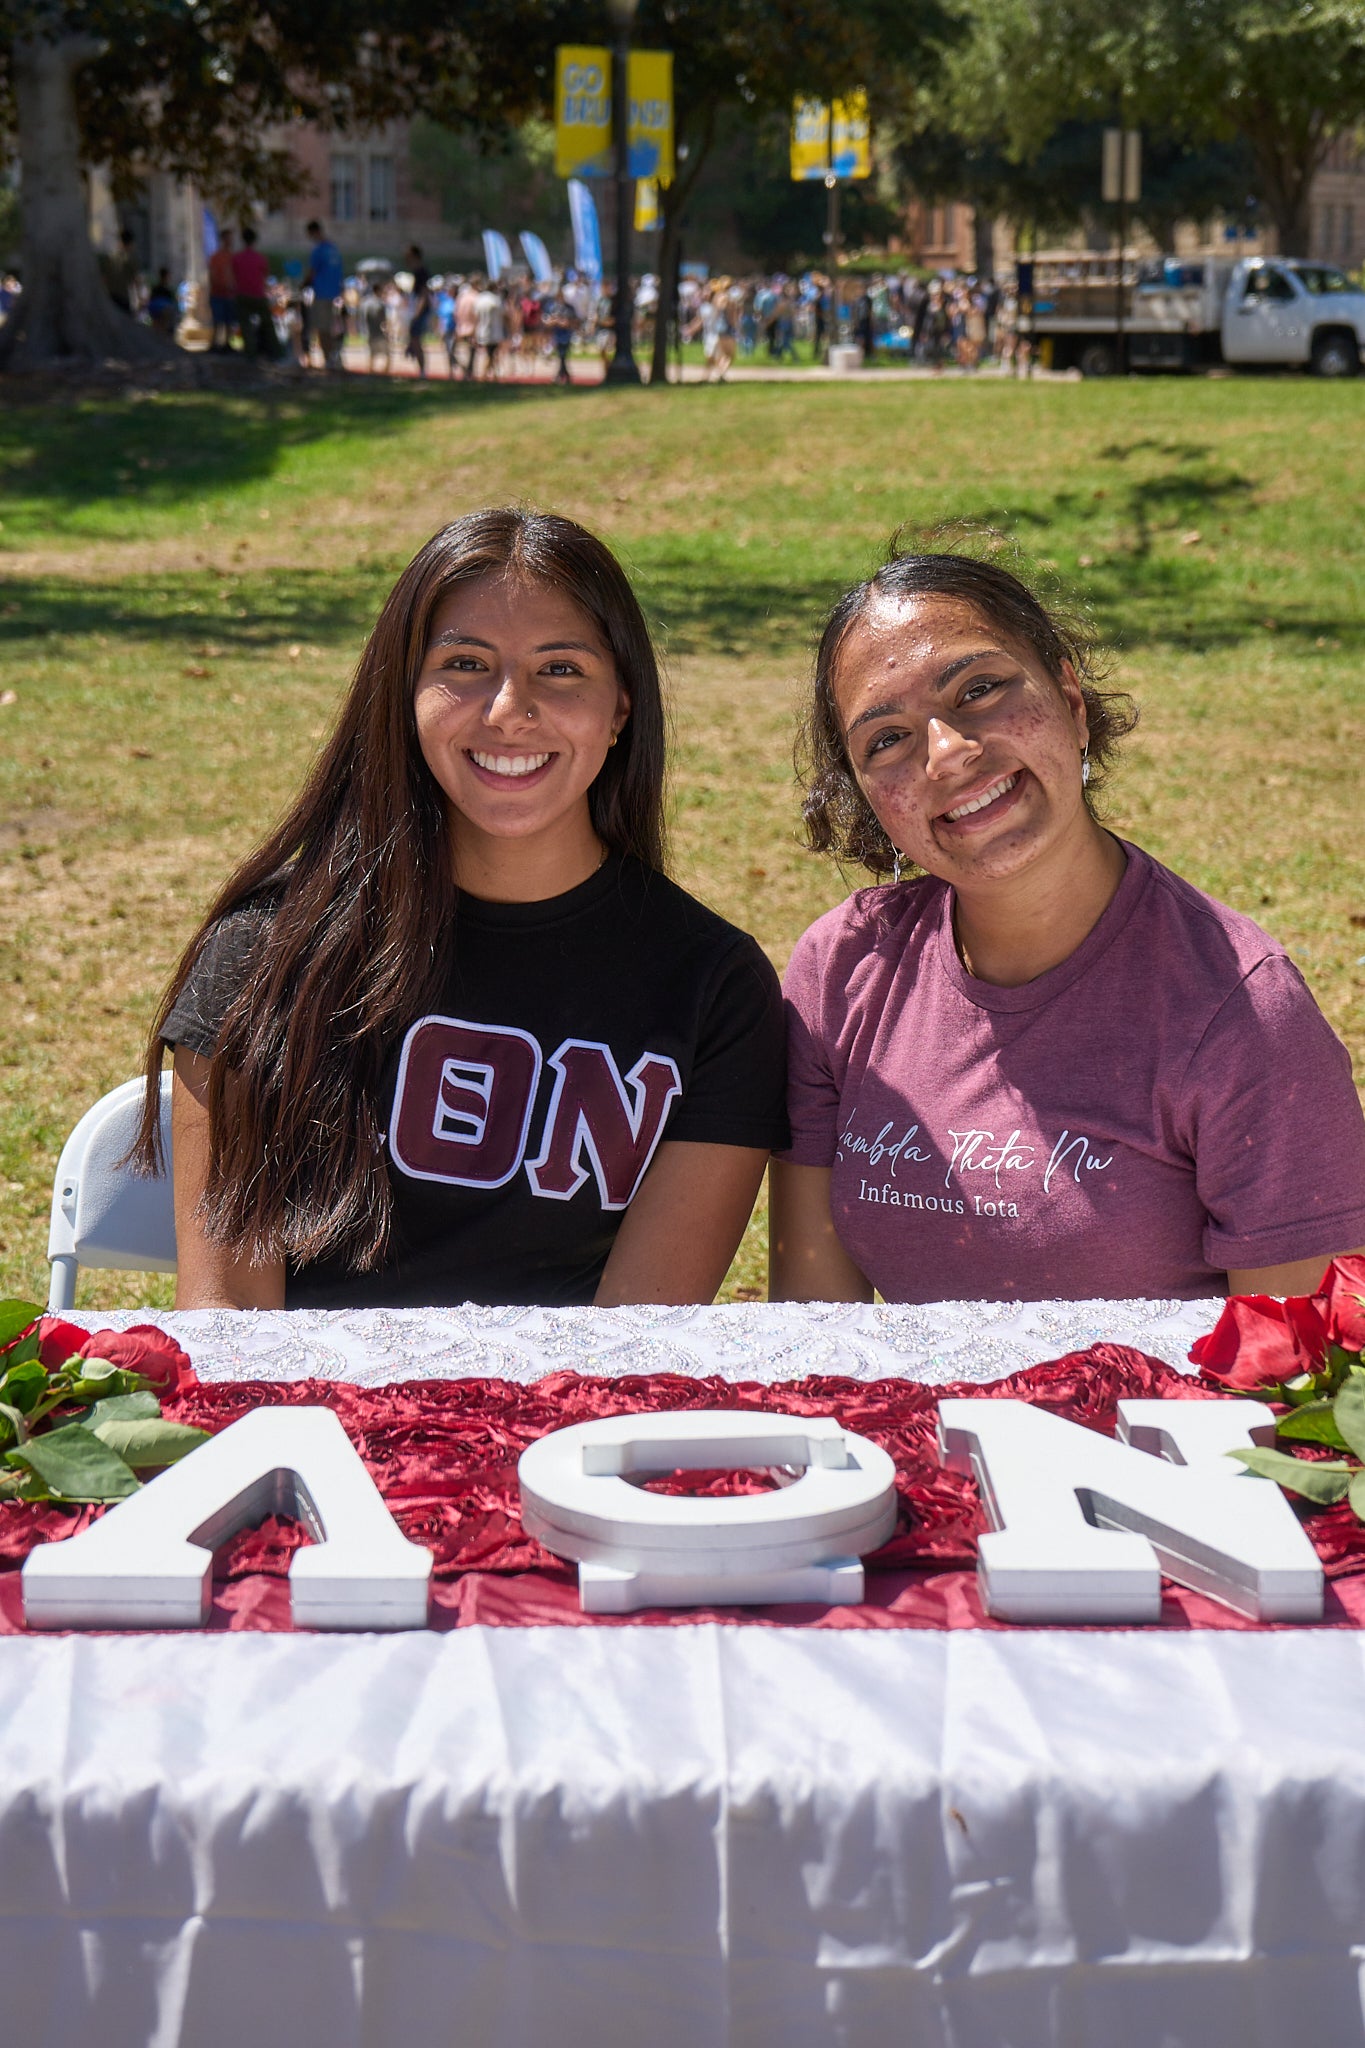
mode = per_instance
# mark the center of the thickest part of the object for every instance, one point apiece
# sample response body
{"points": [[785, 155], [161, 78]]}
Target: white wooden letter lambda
{"points": [[148, 1562], [639, 1549], [1085, 1526]]}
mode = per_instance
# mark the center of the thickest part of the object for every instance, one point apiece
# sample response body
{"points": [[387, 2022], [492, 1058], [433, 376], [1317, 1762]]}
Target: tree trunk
{"points": [[672, 202], [983, 231], [1289, 155], [64, 313]]}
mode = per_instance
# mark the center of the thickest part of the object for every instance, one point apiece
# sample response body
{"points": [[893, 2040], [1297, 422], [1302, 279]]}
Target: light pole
{"points": [[832, 240], [623, 368]]}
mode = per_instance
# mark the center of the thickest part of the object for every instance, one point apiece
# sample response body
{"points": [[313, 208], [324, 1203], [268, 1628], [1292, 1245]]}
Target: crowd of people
{"points": [[484, 328], [936, 321], [489, 328]]}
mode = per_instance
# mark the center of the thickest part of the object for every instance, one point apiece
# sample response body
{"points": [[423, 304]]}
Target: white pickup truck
{"points": [[1185, 315]]}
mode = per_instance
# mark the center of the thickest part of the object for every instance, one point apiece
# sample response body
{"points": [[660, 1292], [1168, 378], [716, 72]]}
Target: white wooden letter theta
{"points": [[1083, 1526], [634, 1548], [148, 1562]]}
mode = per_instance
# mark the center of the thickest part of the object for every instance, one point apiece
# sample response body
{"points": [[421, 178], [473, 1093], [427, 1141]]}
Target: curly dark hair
{"points": [[838, 817]]}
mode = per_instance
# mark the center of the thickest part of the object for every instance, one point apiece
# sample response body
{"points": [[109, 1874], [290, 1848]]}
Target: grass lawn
{"points": [[185, 582]]}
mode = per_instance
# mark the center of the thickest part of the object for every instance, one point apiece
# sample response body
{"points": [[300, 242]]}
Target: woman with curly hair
{"points": [[451, 1034], [1038, 1065]]}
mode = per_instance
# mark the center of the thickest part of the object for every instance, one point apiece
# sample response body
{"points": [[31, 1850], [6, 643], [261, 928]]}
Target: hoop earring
{"points": [[1085, 764], [614, 738]]}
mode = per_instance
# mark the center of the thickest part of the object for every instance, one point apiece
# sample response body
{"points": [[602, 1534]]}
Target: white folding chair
{"points": [[104, 1213]]}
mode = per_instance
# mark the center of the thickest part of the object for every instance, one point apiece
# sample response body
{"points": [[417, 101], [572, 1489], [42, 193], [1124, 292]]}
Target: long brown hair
{"points": [[356, 895], [838, 818]]}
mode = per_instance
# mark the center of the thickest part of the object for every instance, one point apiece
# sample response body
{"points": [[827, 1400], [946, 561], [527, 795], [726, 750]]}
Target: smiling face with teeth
{"points": [[516, 704], [966, 747]]}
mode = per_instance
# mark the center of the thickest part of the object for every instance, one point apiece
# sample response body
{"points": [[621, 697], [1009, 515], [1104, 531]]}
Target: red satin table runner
{"points": [[444, 1455]]}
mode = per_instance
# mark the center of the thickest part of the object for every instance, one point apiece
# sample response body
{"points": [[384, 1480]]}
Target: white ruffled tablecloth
{"points": [[696, 1837], [769, 1341]]}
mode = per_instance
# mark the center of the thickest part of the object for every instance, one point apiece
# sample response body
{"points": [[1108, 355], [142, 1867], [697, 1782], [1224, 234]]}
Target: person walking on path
{"points": [[865, 323], [718, 333], [562, 323], [488, 329], [254, 316], [466, 321], [374, 315], [419, 313], [222, 295], [325, 279]]}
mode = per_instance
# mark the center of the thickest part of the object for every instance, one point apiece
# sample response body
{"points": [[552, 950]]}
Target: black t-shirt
{"points": [[572, 1037]]}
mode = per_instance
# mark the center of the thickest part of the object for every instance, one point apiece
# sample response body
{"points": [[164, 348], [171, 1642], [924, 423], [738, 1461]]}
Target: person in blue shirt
{"points": [[324, 317]]}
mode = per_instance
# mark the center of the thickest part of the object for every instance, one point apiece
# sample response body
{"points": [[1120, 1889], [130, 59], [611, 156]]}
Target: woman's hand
{"points": [[806, 1261], [207, 1275], [682, 1229]]}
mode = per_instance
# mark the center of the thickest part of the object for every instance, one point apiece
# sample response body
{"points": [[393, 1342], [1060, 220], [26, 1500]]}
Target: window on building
{"points": [[949, 226], [381, 188], [345, 198], [1348, 232], [1329, 229]]}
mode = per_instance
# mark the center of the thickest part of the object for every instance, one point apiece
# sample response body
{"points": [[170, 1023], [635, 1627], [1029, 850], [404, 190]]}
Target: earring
{"points": [[612, 741], [1085, 763], [896, 866]]}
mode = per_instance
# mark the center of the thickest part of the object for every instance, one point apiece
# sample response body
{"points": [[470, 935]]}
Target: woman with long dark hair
{"points": [[451, 1033], [1039, 1064]]}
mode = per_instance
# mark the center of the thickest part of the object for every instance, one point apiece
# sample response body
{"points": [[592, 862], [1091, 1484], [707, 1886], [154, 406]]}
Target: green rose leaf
{"points": [[23, 1385], [1357, 1496], [25, 1352], [16, 1316], [1313, 1424], [1338, 1363], [123, 1408], [1348, 1411], [1322, 1483], [145, 1443], [74, 1465]]}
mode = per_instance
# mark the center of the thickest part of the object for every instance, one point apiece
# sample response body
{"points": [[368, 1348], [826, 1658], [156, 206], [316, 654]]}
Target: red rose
{"points": [[1339, 1302], [1258, 1342], [143, 1349], [59, 1340], [1303, 1313]]}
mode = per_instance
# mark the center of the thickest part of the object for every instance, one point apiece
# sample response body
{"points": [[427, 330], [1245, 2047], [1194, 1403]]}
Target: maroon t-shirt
{"points": [[251, 271], [1167, 1104]]}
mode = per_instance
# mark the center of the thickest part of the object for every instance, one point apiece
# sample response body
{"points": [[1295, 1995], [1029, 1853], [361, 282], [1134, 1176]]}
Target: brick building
{"points": [[942, 236], [1337, 206], [360, 186]]}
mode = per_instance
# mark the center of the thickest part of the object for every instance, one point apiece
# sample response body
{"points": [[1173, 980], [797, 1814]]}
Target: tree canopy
{"points": [[1285, 79]]}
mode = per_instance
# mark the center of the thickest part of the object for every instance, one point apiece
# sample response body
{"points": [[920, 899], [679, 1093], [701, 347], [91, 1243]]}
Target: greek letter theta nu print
{"points": [[466, 1093]]}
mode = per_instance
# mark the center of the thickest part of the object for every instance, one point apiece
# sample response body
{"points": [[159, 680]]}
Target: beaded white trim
{"points": [[768, 1341]]}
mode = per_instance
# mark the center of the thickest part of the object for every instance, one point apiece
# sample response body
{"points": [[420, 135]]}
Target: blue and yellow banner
{"points": [[583, 147], [810, 139], [650, 131], [582, 111], [817, 154]]}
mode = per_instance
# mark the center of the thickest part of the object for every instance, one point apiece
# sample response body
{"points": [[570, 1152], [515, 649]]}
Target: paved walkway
{"points": [[529, 369]]}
